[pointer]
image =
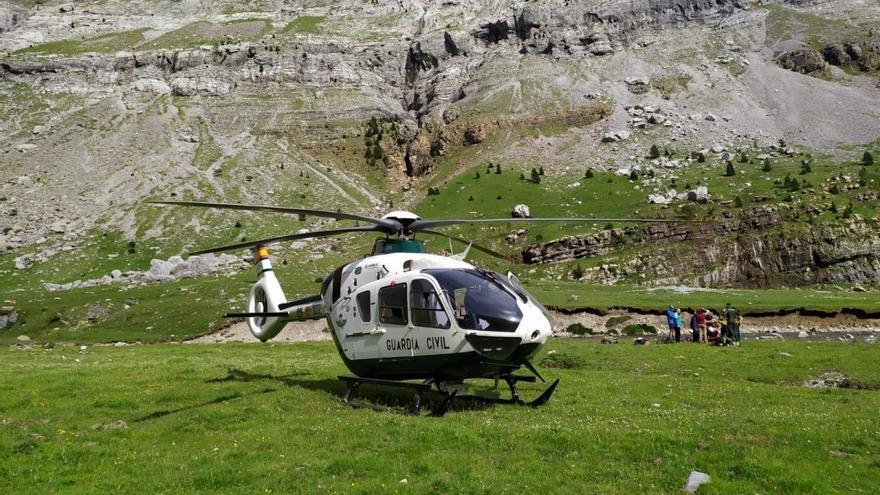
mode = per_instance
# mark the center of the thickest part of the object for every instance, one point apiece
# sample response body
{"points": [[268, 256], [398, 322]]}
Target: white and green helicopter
{"points": [[403, 314]]}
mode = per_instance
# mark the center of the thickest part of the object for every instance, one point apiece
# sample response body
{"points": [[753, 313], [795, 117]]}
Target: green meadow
{"points": [[249, 418]]}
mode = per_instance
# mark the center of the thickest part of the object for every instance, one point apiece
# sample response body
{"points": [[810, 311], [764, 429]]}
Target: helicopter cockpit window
{"points": [[392, 304], [363, 305], [427, 310], [478, 301]]}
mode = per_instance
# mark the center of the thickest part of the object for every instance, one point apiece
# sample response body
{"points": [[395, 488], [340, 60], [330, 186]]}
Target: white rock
{"points": [[711, 117], [152, 86], [802, 334], [521, 211], [695, 479], [23, 338]]}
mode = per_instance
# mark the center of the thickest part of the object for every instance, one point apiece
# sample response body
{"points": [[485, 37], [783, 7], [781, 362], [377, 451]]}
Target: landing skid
{"points": [[419, 389]]}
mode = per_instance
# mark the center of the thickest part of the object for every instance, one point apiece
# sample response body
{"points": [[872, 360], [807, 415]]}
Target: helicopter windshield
{"points": [[478, 301]]}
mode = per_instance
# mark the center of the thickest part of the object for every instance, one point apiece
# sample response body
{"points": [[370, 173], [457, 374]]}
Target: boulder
{"points": [[521, 211], [835, 54], [23, 262], [657, 199], [803, 60], [601, 48], [699, 195]]}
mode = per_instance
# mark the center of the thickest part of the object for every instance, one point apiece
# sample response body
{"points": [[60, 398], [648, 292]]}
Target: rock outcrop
{"points": [[749, 251]]}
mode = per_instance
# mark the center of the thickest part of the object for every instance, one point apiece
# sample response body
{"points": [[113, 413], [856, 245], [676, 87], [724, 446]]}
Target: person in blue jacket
{"points": [[679, 322], [674, 326]]}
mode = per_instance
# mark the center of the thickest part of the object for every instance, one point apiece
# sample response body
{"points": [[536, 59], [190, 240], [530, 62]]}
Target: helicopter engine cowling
{"points": [[264, 297]]}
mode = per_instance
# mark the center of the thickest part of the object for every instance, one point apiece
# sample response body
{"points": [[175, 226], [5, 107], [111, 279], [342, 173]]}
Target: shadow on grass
{"points": [[379, 398], [218, 400]]}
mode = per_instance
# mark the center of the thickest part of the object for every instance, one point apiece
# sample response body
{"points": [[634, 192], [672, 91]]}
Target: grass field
{"points": [[625, 419]]}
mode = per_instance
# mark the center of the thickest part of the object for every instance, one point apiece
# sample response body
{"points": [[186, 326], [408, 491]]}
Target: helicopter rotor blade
{"points": [[389, 226], [421, 225], [288, 237], [465, 241]]}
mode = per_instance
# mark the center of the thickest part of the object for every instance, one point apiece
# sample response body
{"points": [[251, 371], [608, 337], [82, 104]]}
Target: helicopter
{"points": [[402, 314]]}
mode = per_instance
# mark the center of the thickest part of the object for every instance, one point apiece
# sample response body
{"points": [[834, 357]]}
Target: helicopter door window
{"points": [[363, 305], [427, 310], [392, 304]]}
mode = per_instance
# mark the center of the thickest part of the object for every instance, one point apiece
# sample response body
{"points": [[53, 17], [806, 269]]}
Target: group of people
{"points": [[705, 327]]}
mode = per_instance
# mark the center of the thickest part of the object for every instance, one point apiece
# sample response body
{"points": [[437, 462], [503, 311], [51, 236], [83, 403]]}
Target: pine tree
{"points": [[833, 208], [867, 158], [848, 211], [536, 176], [634, 175], [588, 174], [522, 176], [738, 202], [477, 175], [654, 152], [497, 169], [730, 172], [767, 166], [541, 170], [743, 158]]}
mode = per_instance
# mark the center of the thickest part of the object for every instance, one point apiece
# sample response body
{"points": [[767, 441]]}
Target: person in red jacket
{"points": [[701, 324]]}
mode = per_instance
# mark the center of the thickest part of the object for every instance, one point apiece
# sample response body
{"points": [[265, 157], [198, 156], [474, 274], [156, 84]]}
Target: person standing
{"points": [[678, 324], [733, 318], [701, 325], [670, 321], [695, 334]]}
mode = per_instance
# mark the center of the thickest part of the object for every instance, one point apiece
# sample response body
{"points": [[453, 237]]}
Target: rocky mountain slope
{"points": [[361, 105]]}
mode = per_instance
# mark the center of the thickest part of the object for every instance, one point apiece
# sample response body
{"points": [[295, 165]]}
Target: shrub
{"points": [[578, 329], [639, 329], [805, 167], [634, 175], [730, 171], [497, 169], [867, 158], [541, 170], [471, 198], [522, 176], [738, 202], [654, 152], [834, 189], [433, 191], [588, 174], [743, 158], [617, 320], [833, 208], [577, 272], [563, 360], [848, 211], [477, 175], [238, 225], [536, 176], [767, 167]]}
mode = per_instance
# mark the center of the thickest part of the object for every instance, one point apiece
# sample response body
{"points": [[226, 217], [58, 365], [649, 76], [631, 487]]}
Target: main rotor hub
{"points": [[404, 218]]}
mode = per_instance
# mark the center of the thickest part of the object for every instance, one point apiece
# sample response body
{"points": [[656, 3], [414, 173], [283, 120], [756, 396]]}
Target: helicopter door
{"points": [[416, 322], [398, 340], [361, 336]]}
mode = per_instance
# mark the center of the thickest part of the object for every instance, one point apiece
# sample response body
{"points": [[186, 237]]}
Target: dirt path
{"points": [[299, 331]]}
